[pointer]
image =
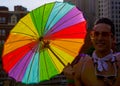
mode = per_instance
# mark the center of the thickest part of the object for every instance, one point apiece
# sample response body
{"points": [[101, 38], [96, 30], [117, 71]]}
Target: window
{"points": [[2, 32], [112, 7], [116, 30], [116, 3], [112, 16], [2, 19], [112, 2], [2, 41], [13, 19]]}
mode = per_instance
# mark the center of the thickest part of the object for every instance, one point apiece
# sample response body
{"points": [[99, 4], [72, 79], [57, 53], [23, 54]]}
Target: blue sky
{"points": [[29, 4]]}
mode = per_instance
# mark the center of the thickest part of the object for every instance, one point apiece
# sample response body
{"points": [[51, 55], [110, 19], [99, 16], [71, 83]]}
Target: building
{"points": [[110, 9], [8, 19], [88, 9], [20, 8], [71, 1]]}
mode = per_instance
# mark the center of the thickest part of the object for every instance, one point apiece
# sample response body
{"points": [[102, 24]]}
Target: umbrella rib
{"points": [[60, 55], [25, 63], [55, 16], [31, 66], [68, 40], [20, 41], [64, 48], [48, 18], [13, 59], [64, 22], [43, 27], [46, 64], [67, 34], [35, 22], [23, 33], [56, 56], [28, 27], [53, 61], [42, 20], [38, 49], [18, 64]]}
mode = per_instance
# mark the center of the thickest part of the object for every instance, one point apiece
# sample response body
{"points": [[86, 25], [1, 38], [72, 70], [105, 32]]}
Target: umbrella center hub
{"points": [[41, 39], [44, 43]]}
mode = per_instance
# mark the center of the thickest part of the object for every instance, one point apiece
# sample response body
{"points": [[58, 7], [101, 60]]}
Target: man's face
{"points": [[101, 37]]}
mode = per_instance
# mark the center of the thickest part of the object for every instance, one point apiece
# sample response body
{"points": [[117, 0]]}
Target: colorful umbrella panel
{"points": [[43, 42]]}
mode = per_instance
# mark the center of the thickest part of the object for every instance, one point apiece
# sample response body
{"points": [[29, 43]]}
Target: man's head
{"points": [[102, 35], [106, 21]]}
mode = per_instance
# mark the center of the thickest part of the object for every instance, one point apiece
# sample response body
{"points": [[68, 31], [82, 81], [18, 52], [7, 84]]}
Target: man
{"points": [[103, 68]]}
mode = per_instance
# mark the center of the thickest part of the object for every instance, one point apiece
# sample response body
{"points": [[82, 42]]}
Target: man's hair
{"points": [[106, 21]]}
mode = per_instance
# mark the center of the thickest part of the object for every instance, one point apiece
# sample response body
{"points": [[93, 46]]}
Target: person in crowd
{"points": [[103, 67]]}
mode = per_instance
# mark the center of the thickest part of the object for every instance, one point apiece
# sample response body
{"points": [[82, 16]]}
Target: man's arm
{"points": [[68, 72], [77, 76], [77, 82]]}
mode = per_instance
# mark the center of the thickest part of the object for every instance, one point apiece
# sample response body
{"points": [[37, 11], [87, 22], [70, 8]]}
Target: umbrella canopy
{"points": [[43, 42]]}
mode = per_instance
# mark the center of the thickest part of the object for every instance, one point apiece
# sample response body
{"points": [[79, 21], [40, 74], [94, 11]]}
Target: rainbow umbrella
{"points": [[43, 42]]}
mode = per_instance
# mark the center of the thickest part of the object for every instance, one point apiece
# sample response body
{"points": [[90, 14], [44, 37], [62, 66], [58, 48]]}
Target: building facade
{"points": [[88, 9], [8, 20], [71, 1]]}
